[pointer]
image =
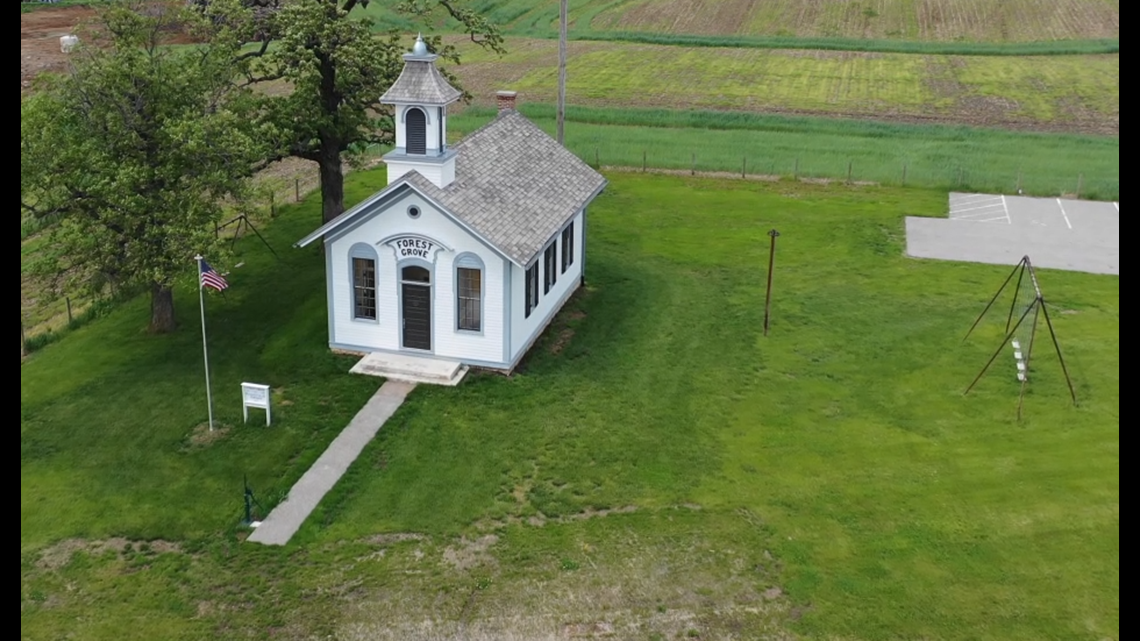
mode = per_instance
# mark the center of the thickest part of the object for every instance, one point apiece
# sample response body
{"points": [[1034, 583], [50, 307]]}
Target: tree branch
{"points": [[255, 54]]}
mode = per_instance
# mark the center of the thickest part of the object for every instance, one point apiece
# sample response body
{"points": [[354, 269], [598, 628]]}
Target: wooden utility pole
{"points": [[562, 10], [771, 263]]}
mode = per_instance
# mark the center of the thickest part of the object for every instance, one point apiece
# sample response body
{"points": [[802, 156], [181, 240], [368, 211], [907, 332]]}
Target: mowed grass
{"points": [[949, 157], [108, 416], [829, 479], [1075, 93]]}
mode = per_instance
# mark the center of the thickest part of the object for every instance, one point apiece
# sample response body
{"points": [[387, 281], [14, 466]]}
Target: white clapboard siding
{"points": [[453, 240], [525, 330]]}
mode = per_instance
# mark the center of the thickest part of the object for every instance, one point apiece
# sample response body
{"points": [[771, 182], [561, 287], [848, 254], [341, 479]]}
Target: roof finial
{"points": [[419, 49]]}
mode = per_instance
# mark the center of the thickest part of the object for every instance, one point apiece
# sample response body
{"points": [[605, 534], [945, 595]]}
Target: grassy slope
{"points": [[891, 505], [942, 156]]}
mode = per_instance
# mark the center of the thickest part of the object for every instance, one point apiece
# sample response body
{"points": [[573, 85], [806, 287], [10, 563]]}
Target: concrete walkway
{"points": [[284, 521]]}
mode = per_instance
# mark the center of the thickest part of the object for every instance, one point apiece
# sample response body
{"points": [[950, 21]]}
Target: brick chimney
{"points": [[506, 100]]}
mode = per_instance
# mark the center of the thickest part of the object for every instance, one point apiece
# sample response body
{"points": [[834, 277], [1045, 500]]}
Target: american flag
{"points": [[211, 278]]}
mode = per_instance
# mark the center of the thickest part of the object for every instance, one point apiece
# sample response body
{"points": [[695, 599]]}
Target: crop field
{"points": [[1045, 93], [1005, 21]]}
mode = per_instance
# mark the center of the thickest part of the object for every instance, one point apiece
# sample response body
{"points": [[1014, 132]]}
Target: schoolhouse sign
{"points": [[413, 247]]}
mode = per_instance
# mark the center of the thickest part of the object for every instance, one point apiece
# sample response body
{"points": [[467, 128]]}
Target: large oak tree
{"points": [[337, 69], [132, 152]]}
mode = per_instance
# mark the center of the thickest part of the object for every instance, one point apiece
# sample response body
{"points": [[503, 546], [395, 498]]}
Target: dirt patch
{"points": [[468, 553], [394, 537], [707, 17], [60, 554], [592, 513], [559, 343], [202, 436], [588, 630], [40, 32]]}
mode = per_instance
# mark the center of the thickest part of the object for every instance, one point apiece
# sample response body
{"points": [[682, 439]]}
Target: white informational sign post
{"points": [[254, 395]]}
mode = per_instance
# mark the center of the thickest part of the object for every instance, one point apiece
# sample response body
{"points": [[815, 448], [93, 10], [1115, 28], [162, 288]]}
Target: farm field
{"points": [[658, 469], [1046, 93], [1006, 21]]}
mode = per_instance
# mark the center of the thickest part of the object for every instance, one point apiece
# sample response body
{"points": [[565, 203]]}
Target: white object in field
{"points": [[1020, 376], [1016, 345], [1017, 355], [1021, 366], [254, 523], [254, 395], [67, 43]]}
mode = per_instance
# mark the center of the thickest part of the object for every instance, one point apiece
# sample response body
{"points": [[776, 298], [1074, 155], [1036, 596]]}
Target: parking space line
{"points": [[958, 211], [980, 215], [1008, 220], [1064, 214], [965, 196]]}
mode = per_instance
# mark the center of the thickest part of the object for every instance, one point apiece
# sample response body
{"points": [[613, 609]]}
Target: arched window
{"points": [[415, 123], [469, 293], [362, 272]]}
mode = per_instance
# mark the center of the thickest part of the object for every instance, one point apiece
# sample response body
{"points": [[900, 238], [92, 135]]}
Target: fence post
{"points": [[1080, 179], [959, 176], [743, 166], [68, 299], [796, 170], [693, 171], [643, 161], [904, 175], [597, 163], [849, 171], [1019, 181], [297, 189]]}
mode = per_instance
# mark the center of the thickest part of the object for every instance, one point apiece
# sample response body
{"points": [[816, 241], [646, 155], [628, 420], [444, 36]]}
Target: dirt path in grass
{"points": [[40, 32]]}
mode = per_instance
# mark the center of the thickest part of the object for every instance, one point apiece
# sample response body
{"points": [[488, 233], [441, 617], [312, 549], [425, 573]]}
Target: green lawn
{"points": [[658, 469], [948, 157]]}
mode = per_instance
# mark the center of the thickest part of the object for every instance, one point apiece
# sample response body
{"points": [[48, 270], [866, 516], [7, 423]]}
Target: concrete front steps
{"points": [[411, 369]]}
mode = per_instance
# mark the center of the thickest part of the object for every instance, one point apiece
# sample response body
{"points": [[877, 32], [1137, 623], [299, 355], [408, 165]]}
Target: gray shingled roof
{"points": [[515, 185], [421, 83]]}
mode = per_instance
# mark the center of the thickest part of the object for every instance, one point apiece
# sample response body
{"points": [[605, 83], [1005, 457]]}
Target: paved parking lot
{"points": [[1075, 235]]}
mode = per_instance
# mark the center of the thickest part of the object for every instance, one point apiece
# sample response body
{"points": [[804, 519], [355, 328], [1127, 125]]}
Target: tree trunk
{"points": [[161, 309], [332, 181]]}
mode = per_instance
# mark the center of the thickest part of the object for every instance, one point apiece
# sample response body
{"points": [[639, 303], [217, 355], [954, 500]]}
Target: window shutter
{"points": [[416, 129]]}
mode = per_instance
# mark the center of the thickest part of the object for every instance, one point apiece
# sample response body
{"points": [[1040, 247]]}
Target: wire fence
{"points": [[48, 313], [952, 176]]}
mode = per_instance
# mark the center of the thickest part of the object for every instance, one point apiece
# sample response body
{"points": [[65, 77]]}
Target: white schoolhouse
{"points": [[471, 249]]}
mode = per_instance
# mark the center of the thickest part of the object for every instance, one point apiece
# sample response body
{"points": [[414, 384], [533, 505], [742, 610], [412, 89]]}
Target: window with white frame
{"points": [[531, 288], [363, 288], [469, 294], [549, 272], [567, 247]]}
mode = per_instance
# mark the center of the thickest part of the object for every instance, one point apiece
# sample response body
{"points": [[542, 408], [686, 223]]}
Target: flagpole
{"points": [[205, 353]]}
